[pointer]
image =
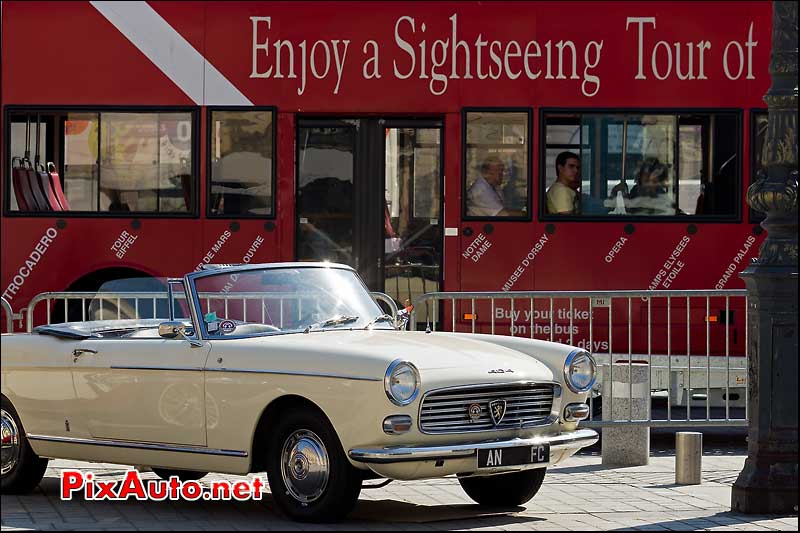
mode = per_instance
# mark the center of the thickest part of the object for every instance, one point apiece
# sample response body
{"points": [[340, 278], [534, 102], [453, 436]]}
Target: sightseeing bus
{"points": [[147, 139]]}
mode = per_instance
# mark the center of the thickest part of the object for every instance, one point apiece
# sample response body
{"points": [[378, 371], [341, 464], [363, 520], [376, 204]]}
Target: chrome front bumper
{"points": [[573, 440]]}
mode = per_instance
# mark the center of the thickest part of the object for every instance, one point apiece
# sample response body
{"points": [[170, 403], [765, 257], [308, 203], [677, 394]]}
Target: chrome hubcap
{"points": [[10, 448], [304, 466]]}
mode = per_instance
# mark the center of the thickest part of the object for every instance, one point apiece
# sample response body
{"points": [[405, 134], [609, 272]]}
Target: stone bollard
{"points": [[688, 458], [621, 445]]}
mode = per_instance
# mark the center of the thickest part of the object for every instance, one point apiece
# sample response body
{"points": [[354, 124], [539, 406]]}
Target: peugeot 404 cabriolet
{"points": [[292, 369]]}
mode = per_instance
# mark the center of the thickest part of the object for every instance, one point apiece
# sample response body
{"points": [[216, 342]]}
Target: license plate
{"points": [[517, 455]]}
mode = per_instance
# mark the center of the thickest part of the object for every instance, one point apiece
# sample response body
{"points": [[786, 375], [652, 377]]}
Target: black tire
{"points": [[183, 475], [504, 490], [334, 498], [28, 468]]}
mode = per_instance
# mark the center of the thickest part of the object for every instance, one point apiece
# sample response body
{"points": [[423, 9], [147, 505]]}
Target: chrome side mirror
{"points": [[175, 330], [403, 316], [171, 330]]}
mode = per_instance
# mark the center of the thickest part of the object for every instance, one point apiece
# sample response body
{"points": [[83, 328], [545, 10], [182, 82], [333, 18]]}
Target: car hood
{"points": [[369, 353]]}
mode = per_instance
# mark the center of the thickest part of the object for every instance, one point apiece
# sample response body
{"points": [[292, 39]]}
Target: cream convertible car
{"points": [[292, 369]]}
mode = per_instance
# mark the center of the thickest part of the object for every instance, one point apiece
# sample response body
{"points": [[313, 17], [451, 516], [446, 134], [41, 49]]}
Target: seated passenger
{"points": [[562, 196], [650, 195], [485, 195]]}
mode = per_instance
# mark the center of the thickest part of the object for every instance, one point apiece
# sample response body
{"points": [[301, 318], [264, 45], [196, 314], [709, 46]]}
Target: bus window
{"points": [[641, 165], [567, 143], [80, 160], [709, 181], [242, 148], [496, 164], [144, 157], [110, 162]]}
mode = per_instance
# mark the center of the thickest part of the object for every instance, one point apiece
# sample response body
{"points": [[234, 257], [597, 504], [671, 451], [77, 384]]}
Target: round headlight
{"points": [[401, 382], [580, 371]]}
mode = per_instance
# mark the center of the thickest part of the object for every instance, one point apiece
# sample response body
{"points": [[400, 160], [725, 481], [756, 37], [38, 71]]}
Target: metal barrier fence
{"points": [[9, 314], [667, 371], [130, 304], [682, 375]]}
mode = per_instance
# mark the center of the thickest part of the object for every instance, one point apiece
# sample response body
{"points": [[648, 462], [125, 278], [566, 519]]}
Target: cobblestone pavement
{"points": [[580, 494]]}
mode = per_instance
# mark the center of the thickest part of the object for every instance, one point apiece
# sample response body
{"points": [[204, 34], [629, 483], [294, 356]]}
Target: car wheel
{"points": [[504, 490], [20, 468], [309, 475], [183, 475]]}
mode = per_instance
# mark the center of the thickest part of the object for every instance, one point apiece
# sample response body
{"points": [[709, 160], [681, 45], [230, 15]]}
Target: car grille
{"points": [[448, 410]]}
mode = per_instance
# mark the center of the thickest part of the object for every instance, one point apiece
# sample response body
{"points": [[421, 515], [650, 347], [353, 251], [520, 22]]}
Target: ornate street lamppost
{"points": [[768, 482]]}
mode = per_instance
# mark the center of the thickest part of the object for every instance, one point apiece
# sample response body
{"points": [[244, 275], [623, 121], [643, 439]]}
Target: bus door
{"points": [[369, 195]]}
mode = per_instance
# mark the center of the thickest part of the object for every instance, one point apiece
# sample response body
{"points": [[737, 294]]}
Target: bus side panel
{"points": [[88, 60]]}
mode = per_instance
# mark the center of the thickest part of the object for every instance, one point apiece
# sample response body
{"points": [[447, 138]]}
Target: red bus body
{"points": [[71, 55]]}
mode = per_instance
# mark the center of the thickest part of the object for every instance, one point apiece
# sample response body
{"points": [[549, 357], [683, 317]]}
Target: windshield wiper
{"points": [[333, 321], [383, 317]]}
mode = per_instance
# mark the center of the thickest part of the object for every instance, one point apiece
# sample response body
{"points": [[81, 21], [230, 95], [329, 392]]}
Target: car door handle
{"points": [[80, 351]]}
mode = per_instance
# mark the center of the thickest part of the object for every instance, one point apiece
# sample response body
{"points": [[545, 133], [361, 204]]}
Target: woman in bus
{"points": [[650, 195]]}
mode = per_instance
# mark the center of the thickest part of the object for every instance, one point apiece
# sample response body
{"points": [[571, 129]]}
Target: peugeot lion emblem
{"points": [[497, 409]]}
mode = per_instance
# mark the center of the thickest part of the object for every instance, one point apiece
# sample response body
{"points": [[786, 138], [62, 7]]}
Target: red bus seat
{"points": [[38, 196], [55, 183], [22, 188], [42, 180]]}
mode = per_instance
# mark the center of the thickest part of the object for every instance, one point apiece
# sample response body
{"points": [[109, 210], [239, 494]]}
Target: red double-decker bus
{"points": [[428, 144]]}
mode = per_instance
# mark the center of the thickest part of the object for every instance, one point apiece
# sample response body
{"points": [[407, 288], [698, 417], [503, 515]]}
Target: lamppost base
{"points": [[766, 488], [768, 482]]}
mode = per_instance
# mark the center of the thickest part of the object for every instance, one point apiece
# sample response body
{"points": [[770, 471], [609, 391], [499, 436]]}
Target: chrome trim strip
{"points": [[195, 307], [139, 446], [162, 368], [290, 373], [576, 439], [494, 384], [242, 267], [551, 419]]}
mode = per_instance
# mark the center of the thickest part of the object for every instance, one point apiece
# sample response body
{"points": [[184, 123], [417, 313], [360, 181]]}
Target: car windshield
{"points": [[264, 301]]}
